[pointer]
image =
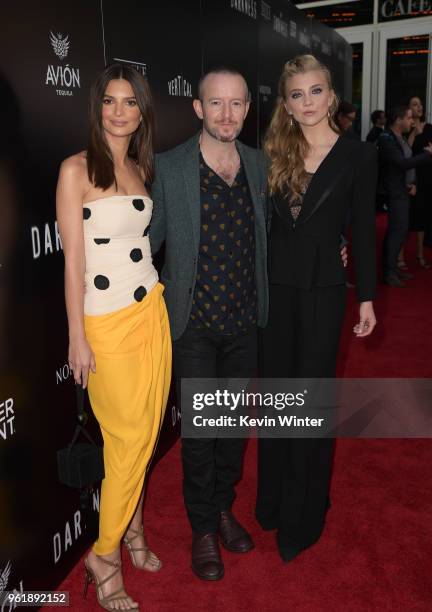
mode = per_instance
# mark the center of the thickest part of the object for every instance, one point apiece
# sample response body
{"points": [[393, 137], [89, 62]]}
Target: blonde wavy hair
{"points": [[284, 142]]}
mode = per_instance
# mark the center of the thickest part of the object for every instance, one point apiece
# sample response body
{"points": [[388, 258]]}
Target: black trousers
{"points": [[301, 340], [211, 467], [397, 230]]}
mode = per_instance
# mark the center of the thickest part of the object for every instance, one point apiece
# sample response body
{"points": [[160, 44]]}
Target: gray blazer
{"points": [[176, 221]]}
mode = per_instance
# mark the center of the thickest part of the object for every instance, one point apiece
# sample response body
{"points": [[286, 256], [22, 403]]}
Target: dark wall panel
{"points": [[48, 58], [230, 38], [279, 31], [168, 54]]}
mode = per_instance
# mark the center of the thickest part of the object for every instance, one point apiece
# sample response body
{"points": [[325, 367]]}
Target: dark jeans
{"points": [[397, 230], [211, 467]]}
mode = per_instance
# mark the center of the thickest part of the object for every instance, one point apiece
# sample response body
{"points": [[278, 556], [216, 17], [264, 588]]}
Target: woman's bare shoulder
{"points": [[75, 166], [73, 176]]}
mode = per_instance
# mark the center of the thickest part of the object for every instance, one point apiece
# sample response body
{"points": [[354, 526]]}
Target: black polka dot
{"points": [[138, 204], [140, 293], [101, 282], [86, 213], [102, 240], [136, 255], [146, 231]]}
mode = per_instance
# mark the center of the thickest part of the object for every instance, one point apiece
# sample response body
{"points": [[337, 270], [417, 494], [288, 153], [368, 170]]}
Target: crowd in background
{"points": [[403, 138]]}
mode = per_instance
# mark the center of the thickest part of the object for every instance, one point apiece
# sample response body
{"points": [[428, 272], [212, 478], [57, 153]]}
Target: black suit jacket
{"points": [[176, 221], [424, 172], [394, 164], [306, 253], [374, 134]]}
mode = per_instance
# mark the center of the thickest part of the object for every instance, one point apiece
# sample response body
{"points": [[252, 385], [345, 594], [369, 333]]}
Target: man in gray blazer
{"points": [[209, 200]]}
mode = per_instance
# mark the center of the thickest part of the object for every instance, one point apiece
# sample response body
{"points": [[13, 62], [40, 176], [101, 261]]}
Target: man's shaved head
{"points": [[221, 70]]}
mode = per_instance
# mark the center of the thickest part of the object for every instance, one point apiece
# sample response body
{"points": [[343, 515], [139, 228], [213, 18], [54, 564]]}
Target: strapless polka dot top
{"points": [[119, 268]]}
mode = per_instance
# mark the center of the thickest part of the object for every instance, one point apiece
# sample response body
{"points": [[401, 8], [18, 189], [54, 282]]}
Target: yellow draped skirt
{"points": [[128, 394]]}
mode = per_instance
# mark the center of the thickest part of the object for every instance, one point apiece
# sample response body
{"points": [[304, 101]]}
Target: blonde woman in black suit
{"points": [[317, 179]]}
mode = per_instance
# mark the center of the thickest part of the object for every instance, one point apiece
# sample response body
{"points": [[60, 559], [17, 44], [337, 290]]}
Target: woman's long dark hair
{"points": [[100, 164]]}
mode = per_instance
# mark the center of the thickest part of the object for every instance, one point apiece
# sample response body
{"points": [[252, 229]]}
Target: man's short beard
{"points": [[220, 138]]}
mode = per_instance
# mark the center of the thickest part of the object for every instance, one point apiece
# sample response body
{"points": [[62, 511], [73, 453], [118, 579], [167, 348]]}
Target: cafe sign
{"points": [[390, 10]]}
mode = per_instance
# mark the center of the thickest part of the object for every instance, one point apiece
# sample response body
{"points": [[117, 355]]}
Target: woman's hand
{"points": [[81, 360], [367, 320]]}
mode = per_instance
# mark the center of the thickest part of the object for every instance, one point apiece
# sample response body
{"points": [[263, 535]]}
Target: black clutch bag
{"points": [[81, 463]]}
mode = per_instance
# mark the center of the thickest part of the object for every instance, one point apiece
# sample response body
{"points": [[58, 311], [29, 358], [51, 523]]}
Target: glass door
{"points": [[405, 65], [357, 85], [361, 45]]}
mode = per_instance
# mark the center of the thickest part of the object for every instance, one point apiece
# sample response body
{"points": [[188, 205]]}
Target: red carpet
{"points": [[375, 553]]}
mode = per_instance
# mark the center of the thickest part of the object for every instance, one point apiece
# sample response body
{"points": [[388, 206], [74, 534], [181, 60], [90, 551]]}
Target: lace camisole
{"points": [[296, 206]]}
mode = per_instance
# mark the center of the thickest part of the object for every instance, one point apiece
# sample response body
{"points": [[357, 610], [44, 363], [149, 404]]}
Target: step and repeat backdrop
{"points": [[49, 55]]}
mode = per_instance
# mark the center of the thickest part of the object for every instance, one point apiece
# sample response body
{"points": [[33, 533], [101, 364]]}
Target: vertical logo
{"points": [[63, 77], [179, 86]]}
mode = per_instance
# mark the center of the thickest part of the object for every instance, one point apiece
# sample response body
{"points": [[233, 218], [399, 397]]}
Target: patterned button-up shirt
{"points": [[225, 290]]}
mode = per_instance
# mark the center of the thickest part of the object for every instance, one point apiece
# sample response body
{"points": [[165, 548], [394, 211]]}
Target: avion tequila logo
{"points": [[60, 44], [63, 77]]}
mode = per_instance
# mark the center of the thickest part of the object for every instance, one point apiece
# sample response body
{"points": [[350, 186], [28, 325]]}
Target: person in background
{"points": [[344, 118], [416, 106], [397, 172], [119, 336], [378, 120], [421, 210]]}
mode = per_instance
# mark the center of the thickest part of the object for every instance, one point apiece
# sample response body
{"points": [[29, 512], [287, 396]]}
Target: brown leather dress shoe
{"points": [[233, 536], [206, 560]]}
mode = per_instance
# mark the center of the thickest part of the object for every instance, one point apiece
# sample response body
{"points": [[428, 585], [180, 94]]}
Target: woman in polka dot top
{"points": [[119, 339]]}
